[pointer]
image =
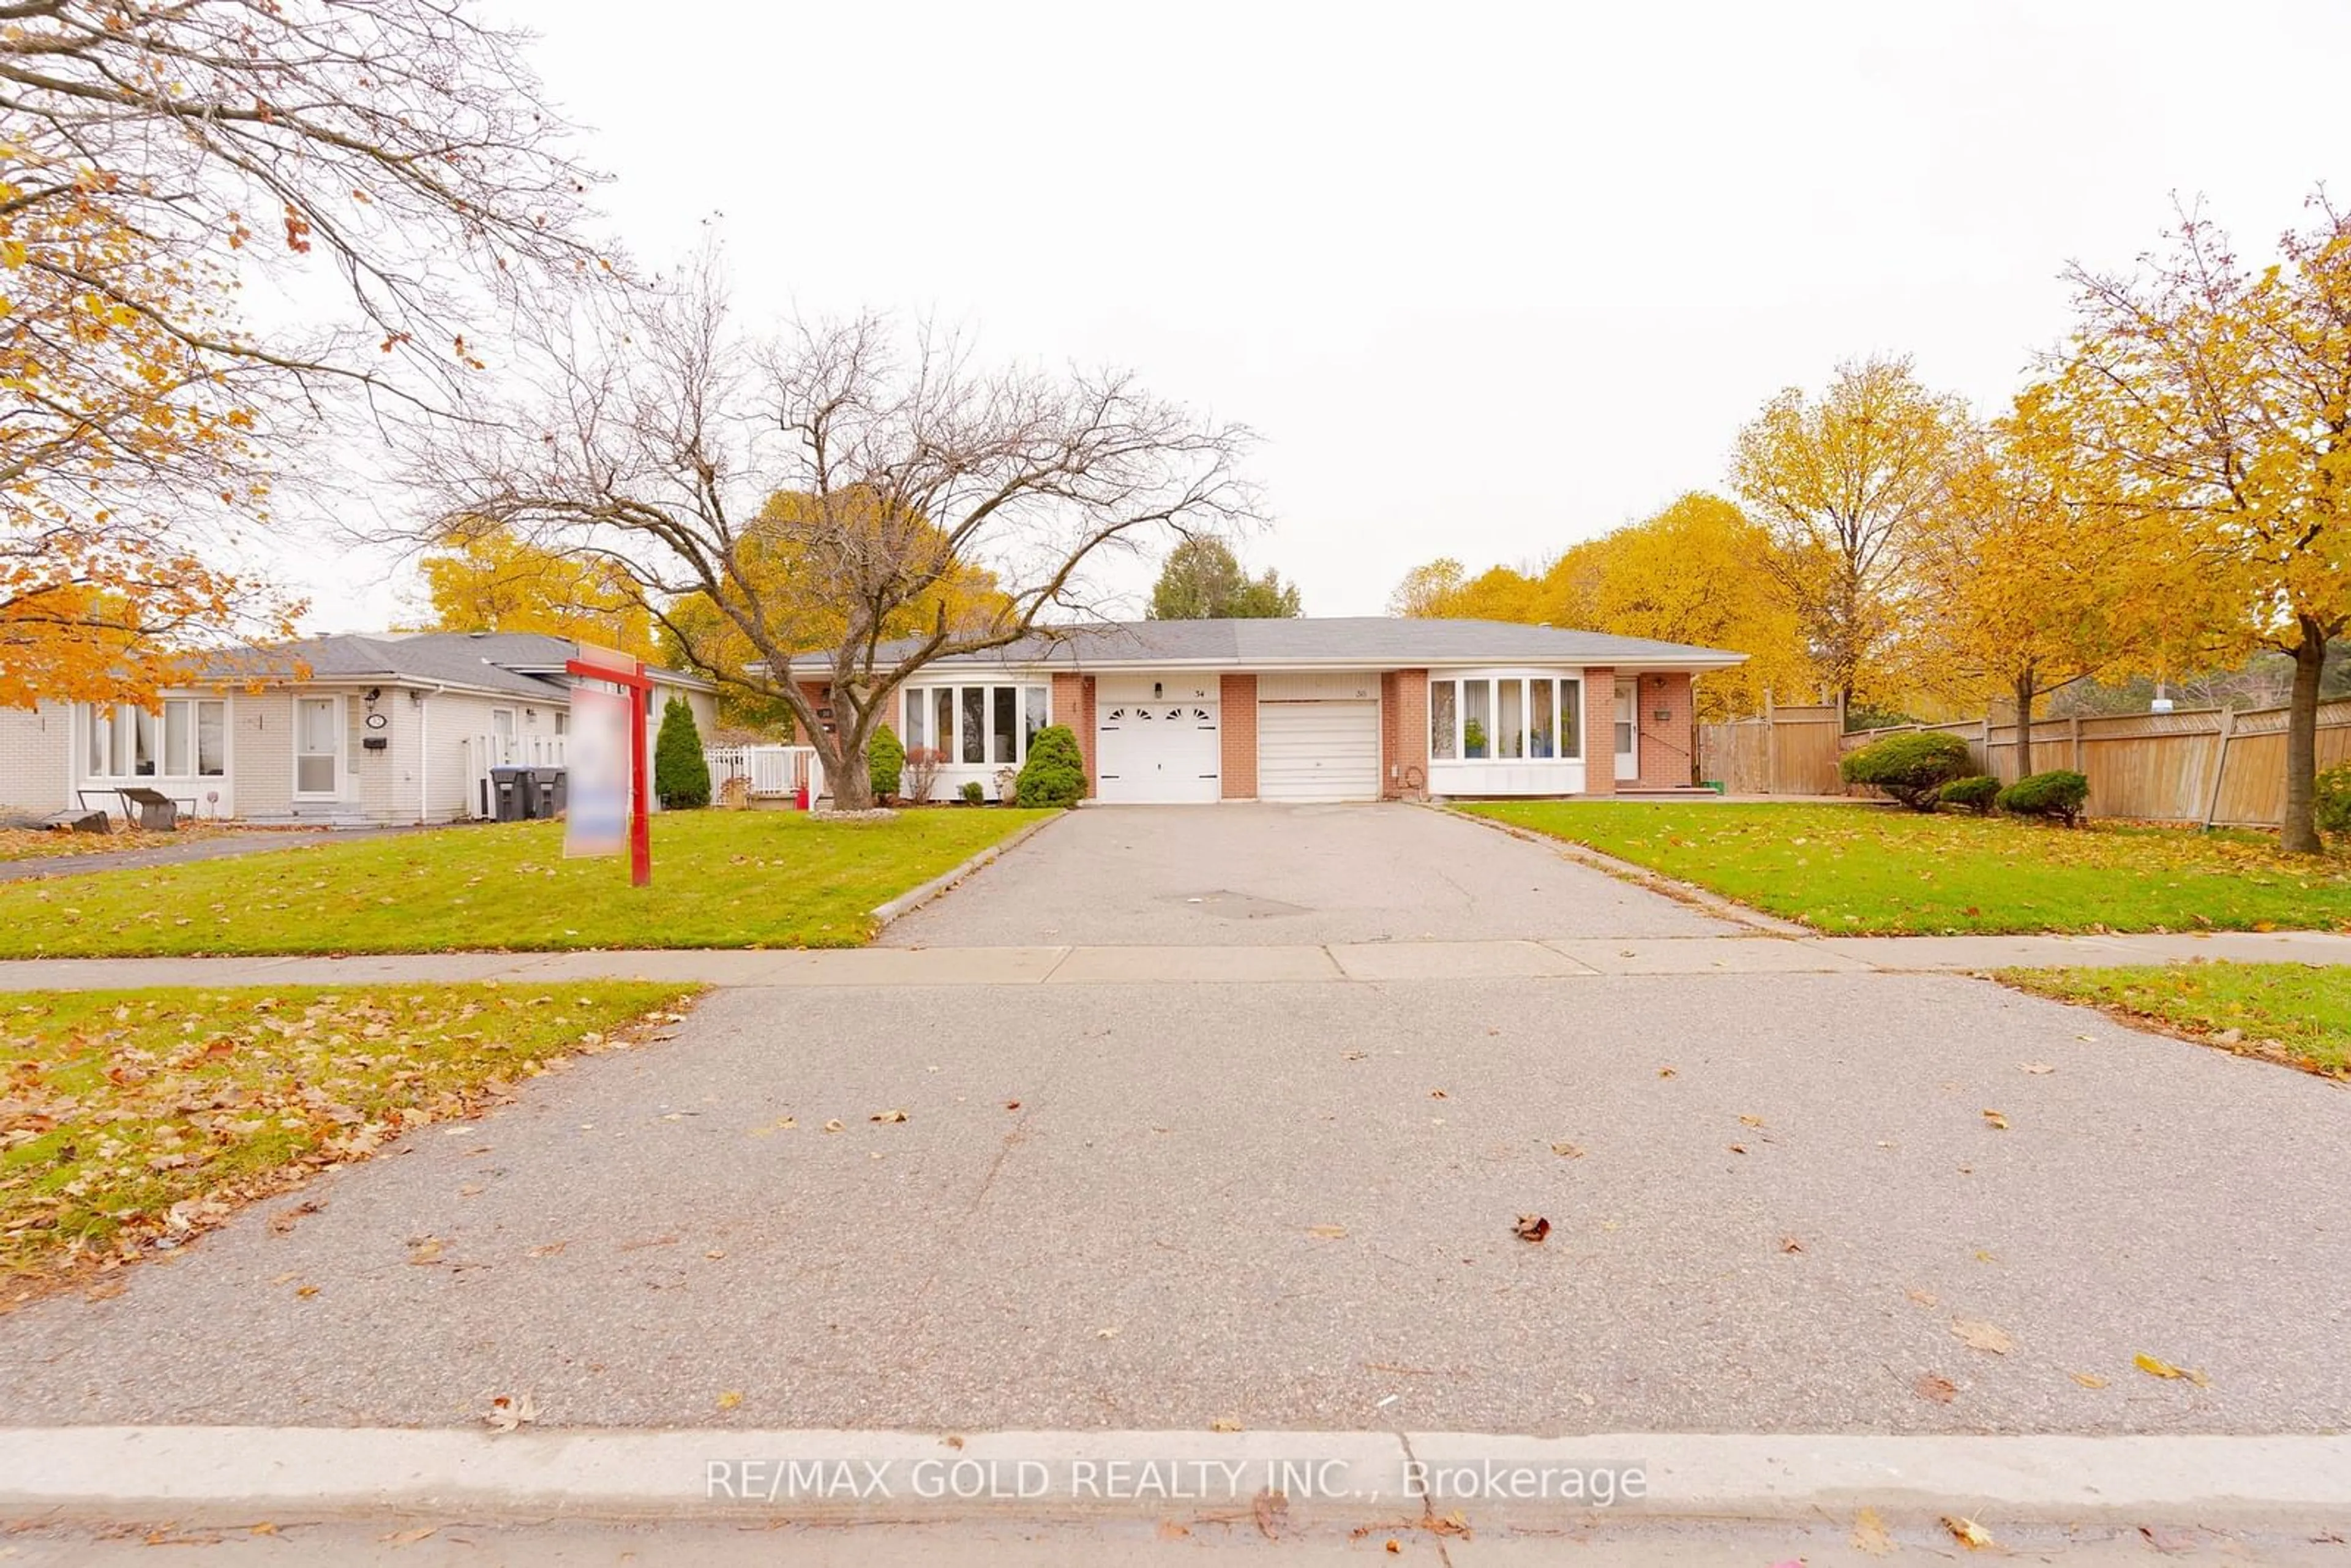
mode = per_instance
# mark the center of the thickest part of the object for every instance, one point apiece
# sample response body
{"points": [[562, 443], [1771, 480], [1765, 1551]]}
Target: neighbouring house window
{"points": [[562, 721], [1004, 741], [131, 743], [1482, 718], [1033, 709], [318, 743], [918, 716], [975, 724], [1627, 697]]}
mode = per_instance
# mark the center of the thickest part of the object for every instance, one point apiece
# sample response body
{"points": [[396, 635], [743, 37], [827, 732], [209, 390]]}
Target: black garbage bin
{"points": [[510, 793], [549, 793]]}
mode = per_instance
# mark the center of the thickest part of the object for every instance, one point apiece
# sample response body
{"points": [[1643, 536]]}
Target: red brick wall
{"points": [[1667, 745], [1600, 731], [1073, 705], [1237, 735], [1403, 734]]}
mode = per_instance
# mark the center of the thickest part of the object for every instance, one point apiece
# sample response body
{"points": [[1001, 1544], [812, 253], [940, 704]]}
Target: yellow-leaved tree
{"points": [[1846, 482], [2216, 402], [485, 578]]}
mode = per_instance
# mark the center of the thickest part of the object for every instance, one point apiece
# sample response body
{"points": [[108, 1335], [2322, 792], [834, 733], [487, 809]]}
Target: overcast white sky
{"points": [[1488, 279]]}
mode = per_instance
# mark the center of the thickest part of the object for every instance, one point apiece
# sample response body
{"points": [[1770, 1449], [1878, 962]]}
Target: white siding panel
{"points": [[1318, 750], [35, 757], [1306, 685]]}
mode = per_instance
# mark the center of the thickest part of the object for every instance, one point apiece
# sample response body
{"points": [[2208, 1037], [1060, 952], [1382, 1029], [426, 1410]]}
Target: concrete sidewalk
{"points": [[1340, 962]]}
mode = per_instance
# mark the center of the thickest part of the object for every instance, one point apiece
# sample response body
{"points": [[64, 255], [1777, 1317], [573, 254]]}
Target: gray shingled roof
{"points": [[1372, 641], [492, 661]]}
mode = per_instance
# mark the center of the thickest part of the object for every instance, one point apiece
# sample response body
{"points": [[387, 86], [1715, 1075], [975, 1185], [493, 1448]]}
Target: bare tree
{"points": [[872, 499]]}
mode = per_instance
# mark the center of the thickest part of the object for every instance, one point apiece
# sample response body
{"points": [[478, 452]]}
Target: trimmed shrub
{"points": [[1055, 773], [1912, 766], [680, 777], [2333, 795], [885, 760], [2055, 796], [1972, 794], [974, 793]]}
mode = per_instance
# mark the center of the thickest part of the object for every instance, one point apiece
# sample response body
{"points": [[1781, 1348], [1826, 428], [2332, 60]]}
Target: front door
{"points": [[1629, 728], [318, 747]]}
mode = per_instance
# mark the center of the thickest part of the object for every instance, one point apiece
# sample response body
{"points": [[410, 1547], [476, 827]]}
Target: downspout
{"points": [[424, 758]]}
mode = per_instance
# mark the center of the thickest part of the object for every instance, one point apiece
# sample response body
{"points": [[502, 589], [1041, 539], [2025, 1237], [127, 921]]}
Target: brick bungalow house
{"points": [[1353, 709]]}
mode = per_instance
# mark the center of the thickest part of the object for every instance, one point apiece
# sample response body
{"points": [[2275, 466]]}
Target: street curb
{"points": [[914, 898], [209, 1474], [1657, 882]]}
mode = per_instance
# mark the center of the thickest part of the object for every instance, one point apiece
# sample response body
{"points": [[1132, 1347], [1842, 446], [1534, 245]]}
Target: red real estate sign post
{"points": [[622, 670]]}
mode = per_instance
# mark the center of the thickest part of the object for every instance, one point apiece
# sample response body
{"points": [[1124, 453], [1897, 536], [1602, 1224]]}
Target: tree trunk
{"points": [[2300, 826], [852, 780], [2024, 690]]}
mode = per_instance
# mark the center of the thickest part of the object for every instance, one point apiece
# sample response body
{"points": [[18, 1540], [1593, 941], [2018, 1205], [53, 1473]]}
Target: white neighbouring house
{"points": [[344, 731], [1345, 709]]}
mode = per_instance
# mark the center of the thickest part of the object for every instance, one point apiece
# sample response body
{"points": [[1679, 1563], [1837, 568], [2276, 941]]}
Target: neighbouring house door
{"points": [[317, 746], [1628, 731], [502, 735]]}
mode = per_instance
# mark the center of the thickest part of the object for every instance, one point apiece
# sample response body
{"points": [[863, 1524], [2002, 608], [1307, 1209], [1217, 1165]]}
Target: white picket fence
{"points": [[772, 772], [483, 752]]}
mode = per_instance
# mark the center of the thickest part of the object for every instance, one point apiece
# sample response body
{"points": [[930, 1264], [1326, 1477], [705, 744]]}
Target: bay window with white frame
{"points": [[976, 727], [1505, 732], [180, 750]]}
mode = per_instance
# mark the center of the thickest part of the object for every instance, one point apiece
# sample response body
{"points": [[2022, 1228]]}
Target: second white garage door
{"points": [[1318, 750]]}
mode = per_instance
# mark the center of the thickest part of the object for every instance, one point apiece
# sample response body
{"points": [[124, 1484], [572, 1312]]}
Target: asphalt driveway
{"points": [[1173, 875], [1776, 1205]]}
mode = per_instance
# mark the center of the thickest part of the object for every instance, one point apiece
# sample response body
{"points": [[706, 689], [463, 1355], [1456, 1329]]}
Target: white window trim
{"points": [[1561, 680], [951, 747], [1627, 762], [342, 745], [87, 717]]}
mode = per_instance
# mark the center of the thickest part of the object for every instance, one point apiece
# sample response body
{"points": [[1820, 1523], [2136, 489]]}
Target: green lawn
{"points": [[2299, 1014], [143, 1116], [721, 879], [1846, 869]]}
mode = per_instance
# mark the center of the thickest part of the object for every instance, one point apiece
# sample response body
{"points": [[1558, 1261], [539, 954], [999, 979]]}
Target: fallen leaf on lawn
{"points": [[1941, 1390], [1967, 1532], [2087, 1379], [1530, 1227], [1924, 1298], [834, 1125], [2155, 1368], [1224, 1423], [1567, 1151], [1977, 1335], [411, 1537], [887, 1116], [2036, 1067], [730, 1399], [1870, 1533], [505, 1414], [424, 1249], [1995, 1120], [1328, 1232]]}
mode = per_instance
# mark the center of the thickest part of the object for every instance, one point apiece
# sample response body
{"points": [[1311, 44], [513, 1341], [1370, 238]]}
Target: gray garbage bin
{"points": [[509, 793], [549, 795]]}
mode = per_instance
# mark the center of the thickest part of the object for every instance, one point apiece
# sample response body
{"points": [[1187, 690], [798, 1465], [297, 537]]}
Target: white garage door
{"points": [[1157, 754], [1318, 750]]}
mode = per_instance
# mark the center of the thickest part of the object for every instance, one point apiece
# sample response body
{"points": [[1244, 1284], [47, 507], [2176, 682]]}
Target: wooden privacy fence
{"points": [[1788, 750], [2208, 765]]}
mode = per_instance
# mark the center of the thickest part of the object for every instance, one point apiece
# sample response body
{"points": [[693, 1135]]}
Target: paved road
{"points": [[1250, 1202], [1284, 874]]}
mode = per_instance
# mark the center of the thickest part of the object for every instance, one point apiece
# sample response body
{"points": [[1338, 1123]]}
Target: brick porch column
{"points": [[1600, 731], [1237, 734]]}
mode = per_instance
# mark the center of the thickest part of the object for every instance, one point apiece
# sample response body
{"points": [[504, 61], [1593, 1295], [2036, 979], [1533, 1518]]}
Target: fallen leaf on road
{"points": [[1924, 1298], [2087, 1379], [1106, 1333], [887, 1116], [1567, 1151], [1171, 1531], [305, 1291], [1941, 1390], [1977, 1335], [1967, 1532], [424, 1249], [714, 1254], [1224, 1423], [1870, 1533], [283, 1220], [2155, 1368], [1328, 1232], [2036, 1067], [834, 1125], [105, 1290], [1790, 1244], [546, 1250], [1271, 1511], [1665, 1073], [1530, 1227], [287, 1278], [730, 1399], [1395, 1547], [1751, 1121], [505, 1414], [471, 1189], [1012, 1104], [1737, 1148], [411, 1537], [1995, 1120], [1438, 1094]]}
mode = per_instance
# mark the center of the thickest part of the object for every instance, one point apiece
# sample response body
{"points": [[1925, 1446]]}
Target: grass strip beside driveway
{"points": [[1870, 871], [2298, 1014], [721, 879], [130, 1121]]}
